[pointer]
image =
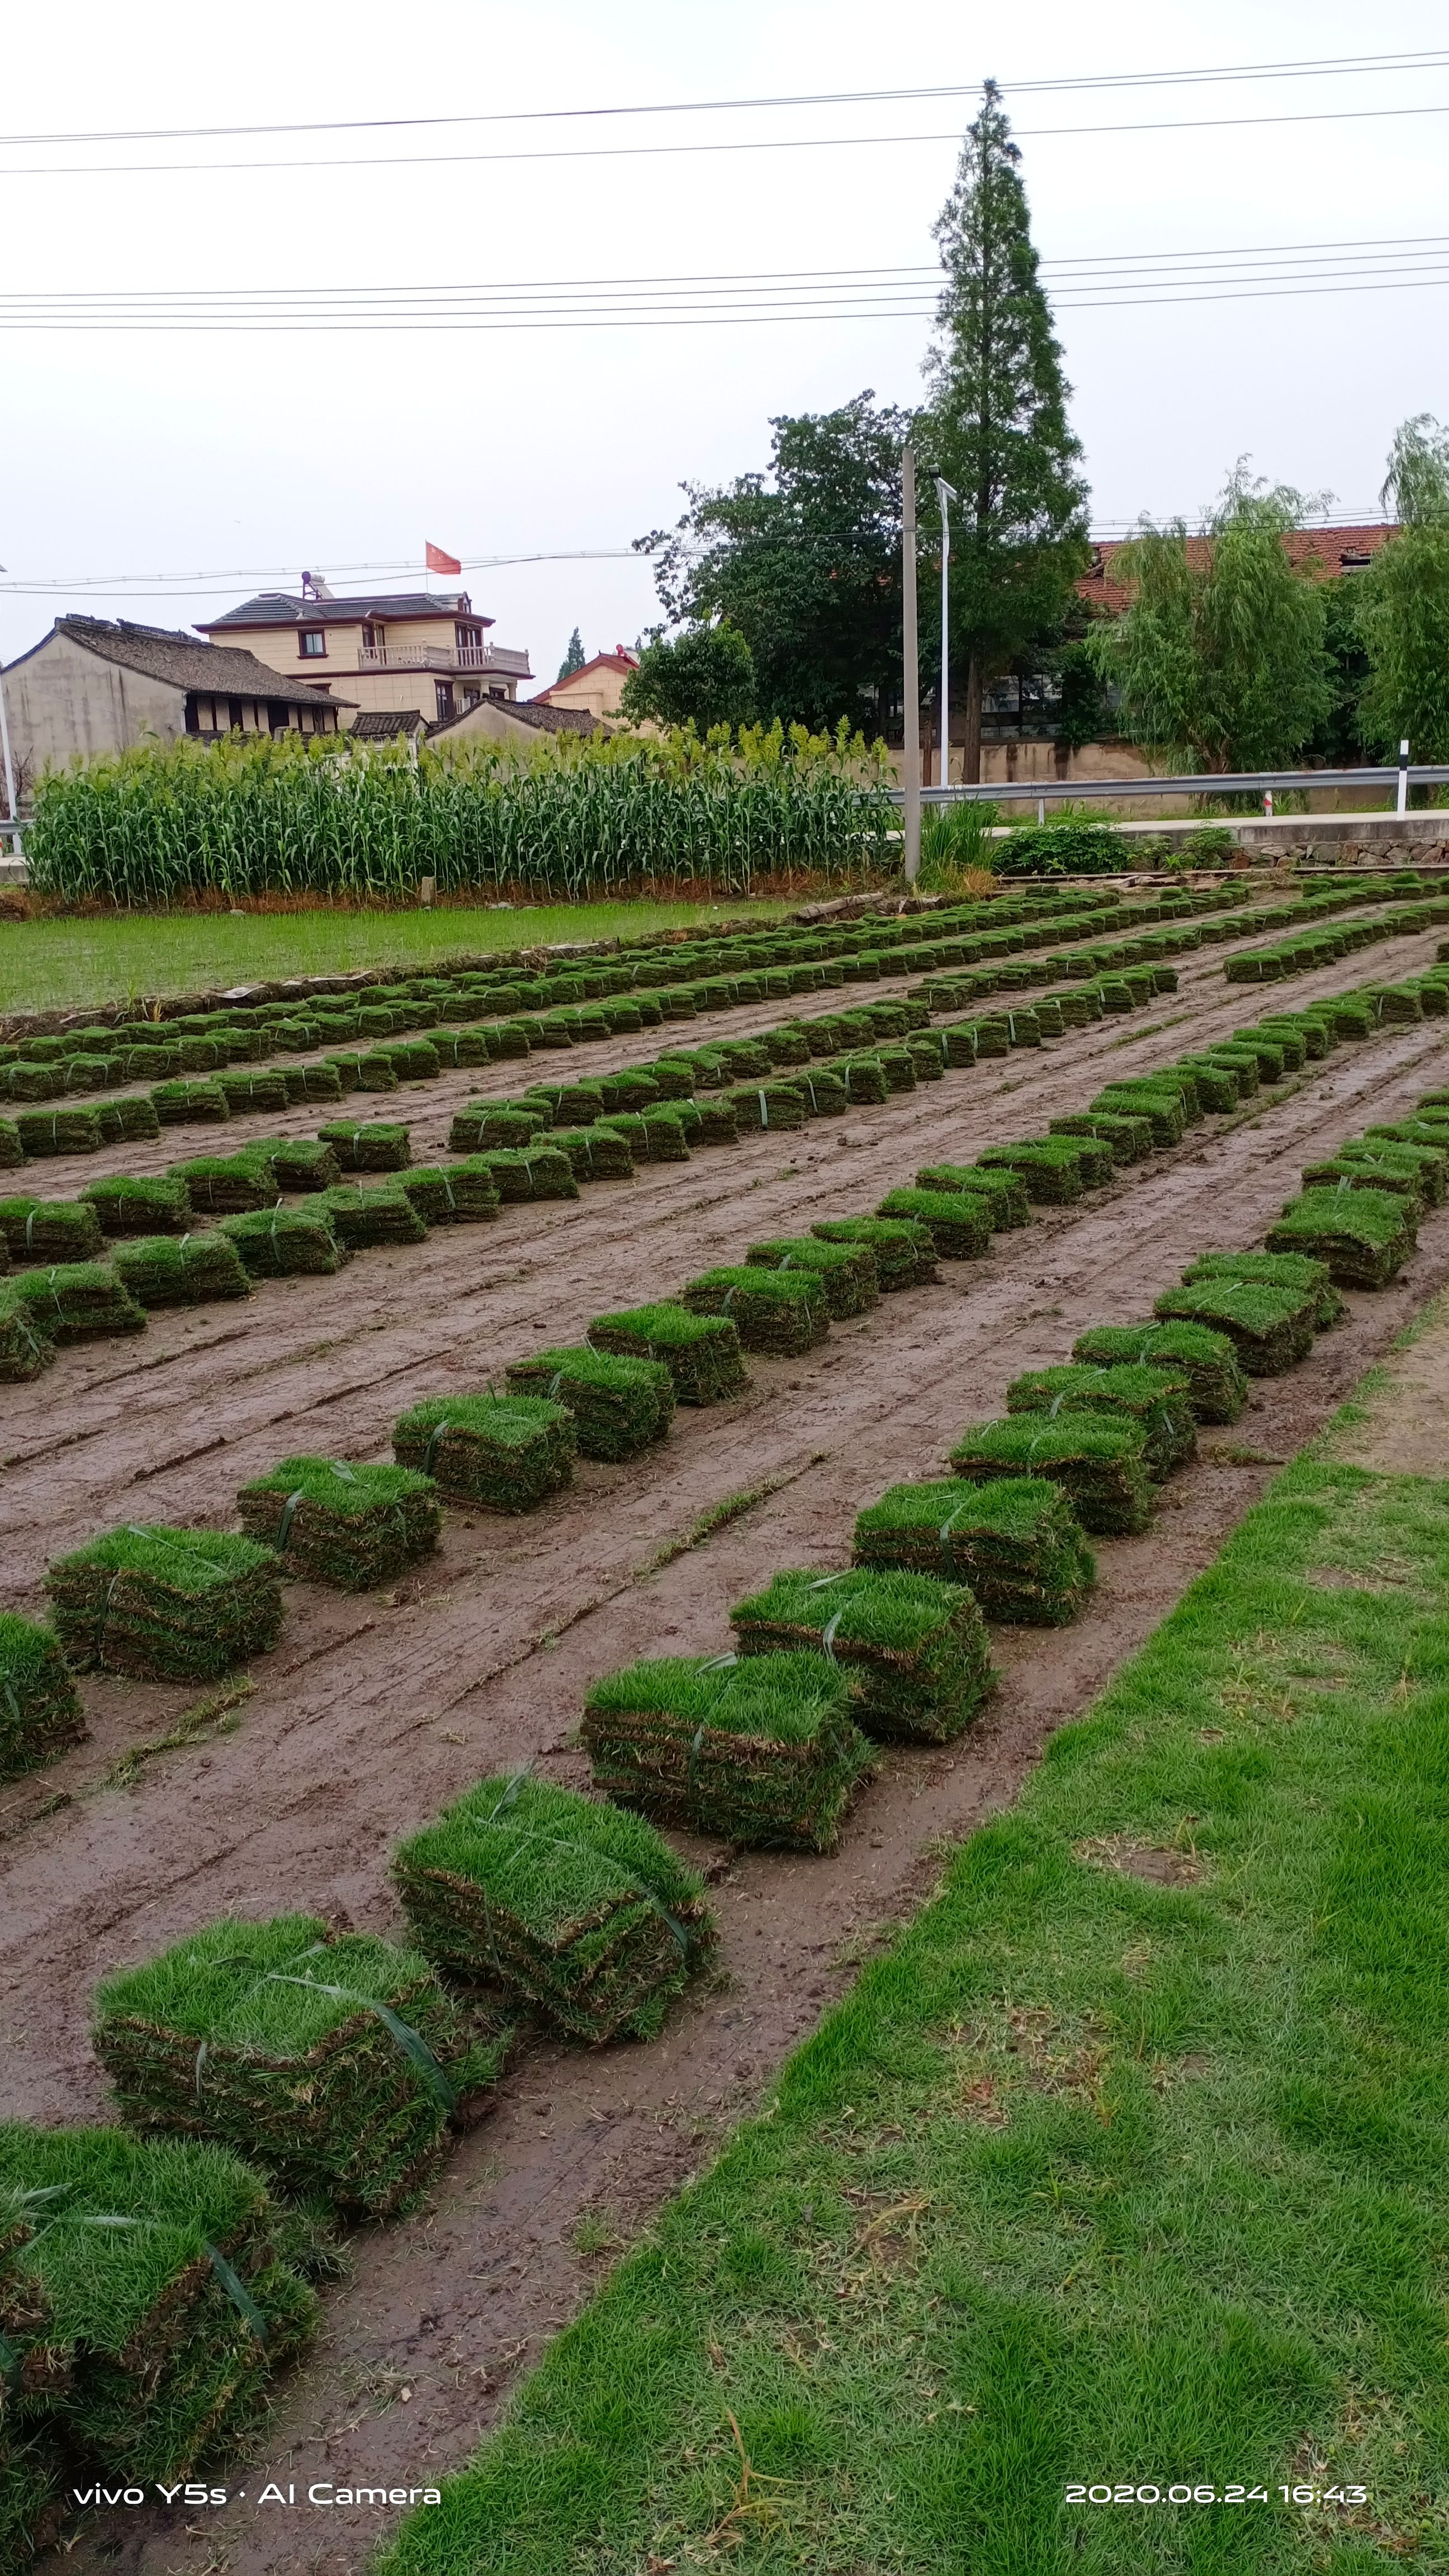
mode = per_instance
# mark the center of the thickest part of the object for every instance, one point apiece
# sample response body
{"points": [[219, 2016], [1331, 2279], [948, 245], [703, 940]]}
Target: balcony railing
{"points": [[444, 658]]}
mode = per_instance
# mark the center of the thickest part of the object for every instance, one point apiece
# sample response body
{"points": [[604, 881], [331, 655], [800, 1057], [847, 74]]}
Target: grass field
{"points": [[1126, 2166], [56, 964]]}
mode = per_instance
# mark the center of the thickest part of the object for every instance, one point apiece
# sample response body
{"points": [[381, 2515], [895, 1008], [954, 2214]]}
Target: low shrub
{"points": [[915, 1647]]}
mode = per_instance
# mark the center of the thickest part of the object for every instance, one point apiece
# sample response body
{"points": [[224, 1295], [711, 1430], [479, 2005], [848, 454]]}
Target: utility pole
{"points": [[1403, 803], [10, 807], [912, 673], [945, 494]]}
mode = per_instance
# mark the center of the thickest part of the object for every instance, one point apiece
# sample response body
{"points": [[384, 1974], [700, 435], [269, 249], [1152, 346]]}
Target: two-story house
{"points": [[416, 652]]}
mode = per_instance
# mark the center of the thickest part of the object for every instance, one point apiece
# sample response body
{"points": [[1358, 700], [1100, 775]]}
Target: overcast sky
{"points": [[226, 454]]}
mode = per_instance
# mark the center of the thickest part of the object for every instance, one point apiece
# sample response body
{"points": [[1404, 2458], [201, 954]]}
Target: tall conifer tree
{"points": [[996, 424]]}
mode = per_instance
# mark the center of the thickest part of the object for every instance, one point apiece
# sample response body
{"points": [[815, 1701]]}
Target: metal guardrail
{"points": [[1252, 782]]}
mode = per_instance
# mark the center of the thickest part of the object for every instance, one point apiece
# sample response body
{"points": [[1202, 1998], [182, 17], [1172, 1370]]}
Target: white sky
{"points": [[127, 453]]}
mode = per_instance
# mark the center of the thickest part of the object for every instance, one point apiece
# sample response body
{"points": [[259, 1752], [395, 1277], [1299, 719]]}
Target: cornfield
{"points": [[580, 819]]}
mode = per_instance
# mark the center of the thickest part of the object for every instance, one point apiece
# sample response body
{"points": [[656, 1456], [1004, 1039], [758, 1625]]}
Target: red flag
{"points": [[439, 562]]}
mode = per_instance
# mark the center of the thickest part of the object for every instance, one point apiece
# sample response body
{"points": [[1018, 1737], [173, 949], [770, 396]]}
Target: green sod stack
{"points": [[59, 1131], [161, 2304], [40, 1710], [80, 1301], [166, 1605], [781, 1311], [253, 1090], [904, 1251], [1293, 1272], [1217, 1387], [1159, 1404], [1017, 1544], [379, 1146], [298, 1163], [1349, 1172], [1001, 1187], [347, 1526], [181, 1270], [284, 1243], [701, 1352], [311, 1082], [361, 1218], [131, 1206], [621, 1405], [597, 1153], [1050, 1169], [914, 1646], [776, 1107], [337, 2063], [12, 1152], [452, 1194], [497, 1122], [1162, 1108], [577, 1911], [1101, 1465], [847, 1271], [529, 1172], [824, 1090], [39, 1230], [1365, 1236], [864, 1080], [26, 1349], [1271, 1329], [508, 1453], [1127, 1139], [227, 1184], [184, 1104], [368, 1069], [958, 1223], [764, 1751], [652, 1135]]}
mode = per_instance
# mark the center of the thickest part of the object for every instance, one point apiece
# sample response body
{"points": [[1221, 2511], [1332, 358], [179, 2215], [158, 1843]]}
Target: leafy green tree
{"points": [[574, 659], [706, 676], [1219, 660], [1339, 739], [1403, 601], [803, 564], [996, 425]]}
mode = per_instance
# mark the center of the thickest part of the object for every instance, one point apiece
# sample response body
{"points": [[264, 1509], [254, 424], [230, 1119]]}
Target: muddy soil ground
{"points": [[373, 1711]]}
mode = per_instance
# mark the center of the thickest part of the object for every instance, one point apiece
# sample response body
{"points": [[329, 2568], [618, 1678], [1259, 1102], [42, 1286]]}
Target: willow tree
{"points": [[1403, 601], [996, 424], [1219, 659]]}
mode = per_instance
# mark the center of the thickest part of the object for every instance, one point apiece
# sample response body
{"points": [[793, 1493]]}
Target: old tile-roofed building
{"points": [[1327, 552], [93, 686]]}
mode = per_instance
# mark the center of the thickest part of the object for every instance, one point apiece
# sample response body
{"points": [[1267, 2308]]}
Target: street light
{"points": [[944, 493]]}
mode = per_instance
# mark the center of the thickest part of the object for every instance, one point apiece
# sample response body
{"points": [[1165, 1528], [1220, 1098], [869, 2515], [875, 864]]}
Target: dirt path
{"points": [[373, 1711]]}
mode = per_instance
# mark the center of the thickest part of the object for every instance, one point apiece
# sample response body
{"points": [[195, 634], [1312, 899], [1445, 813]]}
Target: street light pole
{"points": [[911, 763], [944, 493]]}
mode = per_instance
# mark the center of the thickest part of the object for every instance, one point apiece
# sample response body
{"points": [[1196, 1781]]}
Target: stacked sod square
{"points": [[1159, 1404], [40, 1710], [346, 1526], [176, 1605], [1208, 1362], [540, 1899], [334, 2061], [621, 1404], [760, 1751], [701, 1352], [181, 1270], [847, 1271], [1100, 1463], [914, 1646], [1016, 1544], [780, 1311], [505, 1452]]}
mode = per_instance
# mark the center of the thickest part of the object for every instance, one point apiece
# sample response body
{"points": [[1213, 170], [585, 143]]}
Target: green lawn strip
{"points": [[1126, 2164]]}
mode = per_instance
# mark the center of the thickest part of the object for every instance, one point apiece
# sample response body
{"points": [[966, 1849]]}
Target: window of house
{"points": [[498, 693], [445, 700], [373, 637], [468, 639], [312, 643], [235, 713], [471, 698]]}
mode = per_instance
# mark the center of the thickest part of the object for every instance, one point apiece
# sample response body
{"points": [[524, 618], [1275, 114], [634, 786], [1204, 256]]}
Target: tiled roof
{"points": [[531, 711], [284, 608], [178, 659], [386, 724], [1324, 551]]}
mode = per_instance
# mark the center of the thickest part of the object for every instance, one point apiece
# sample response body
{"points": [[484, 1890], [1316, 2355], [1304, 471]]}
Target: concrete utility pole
{"points": [[912, 673], [945, 494], [1403, 804]]}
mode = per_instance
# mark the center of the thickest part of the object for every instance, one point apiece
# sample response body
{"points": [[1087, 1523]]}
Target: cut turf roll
{"points": [[297, 1163], [595, 1153], [171, 1605], [155, 2304], [26, 1348], [1271, 1329], [181, 1270], [566, 1104], [914, 1646], [958, 1222], [1294, 1272], [701, 1352], [284, 1243], [40, 1230], [59, 1131], [364, 1069], [621, 1404], [1017, 1544], [1101, 1465], [130, 1205], [183, 1104], [534, 1171], [334, 2061], [252, 1090], [497, 1123], [349, 1526], [360, 1219], [226, 1184], [847, 1271], [763, 1751], [773, 1106], [79, 1301], [1218, 1085], [999, 1184], [1163, 1109], [1127, 1139], [12, 1152], [463, 1193], [1424, 1165], [652, 1136], [129, 1120], [864, 1080], [1217, 1386], [507, 1452], [904, 1250], [1365, 1236], [783, 1311], [1159, 1404], [40, 1709], [824, 1091], [572, 1909], [312, 1082], [378, 1145]]}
